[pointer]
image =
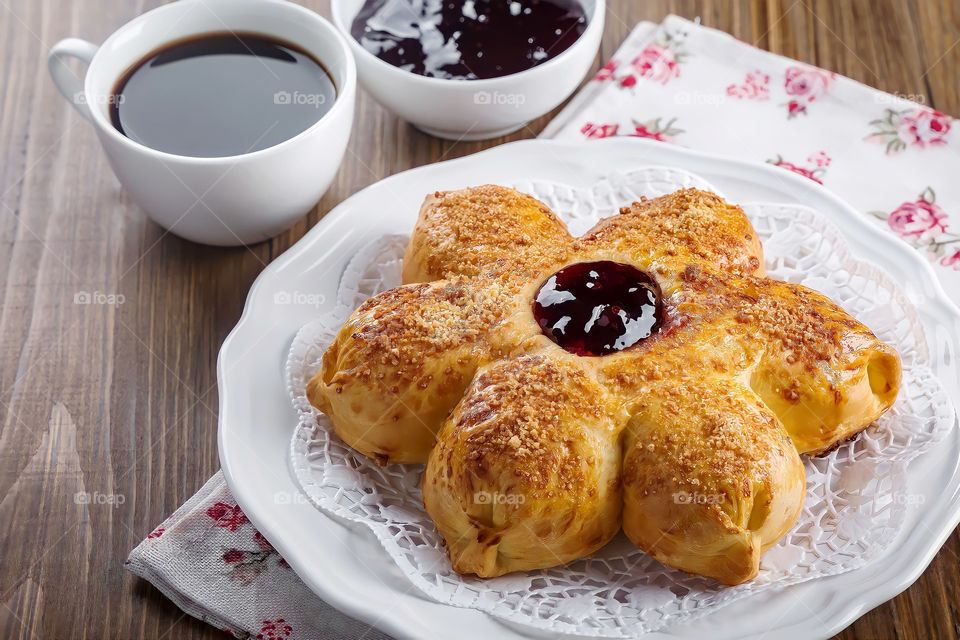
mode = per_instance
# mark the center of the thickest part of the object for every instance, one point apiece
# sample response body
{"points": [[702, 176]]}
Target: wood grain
{"points": [[120, 399]]}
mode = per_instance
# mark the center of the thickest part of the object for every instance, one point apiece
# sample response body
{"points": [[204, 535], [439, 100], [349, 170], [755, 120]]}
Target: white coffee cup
{"points": [[221, 201]]}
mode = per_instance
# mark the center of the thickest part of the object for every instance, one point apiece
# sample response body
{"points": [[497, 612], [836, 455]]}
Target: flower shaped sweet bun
{"points": [[676, 408]]}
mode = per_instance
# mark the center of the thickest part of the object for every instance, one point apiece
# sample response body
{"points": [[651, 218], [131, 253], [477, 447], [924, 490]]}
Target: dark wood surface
{"points": [[121, 399]]}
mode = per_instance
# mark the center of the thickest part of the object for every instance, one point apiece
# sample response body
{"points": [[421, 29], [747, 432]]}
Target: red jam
{"points": [[468, 39], [596, 308]]}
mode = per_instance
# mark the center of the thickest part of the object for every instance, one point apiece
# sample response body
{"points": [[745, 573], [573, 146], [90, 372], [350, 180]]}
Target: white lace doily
{"points": [[856, 495]]}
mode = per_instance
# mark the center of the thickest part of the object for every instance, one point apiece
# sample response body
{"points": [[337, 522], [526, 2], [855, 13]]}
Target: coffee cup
{"points": [[231, 200]]}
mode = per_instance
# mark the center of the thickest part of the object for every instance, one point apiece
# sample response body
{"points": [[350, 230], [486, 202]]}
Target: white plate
{"points": [[346, 566]]}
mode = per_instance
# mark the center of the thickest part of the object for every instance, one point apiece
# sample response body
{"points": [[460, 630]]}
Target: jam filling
{"points": [[468, 39], [597, 308]]}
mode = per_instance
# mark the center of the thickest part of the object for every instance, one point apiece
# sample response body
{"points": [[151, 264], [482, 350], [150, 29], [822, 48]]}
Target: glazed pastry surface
{"points": [[690, 440]]}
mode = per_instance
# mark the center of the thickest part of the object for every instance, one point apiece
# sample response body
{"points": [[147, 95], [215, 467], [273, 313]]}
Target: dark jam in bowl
{"points": [[596, 308], [468, 39]]}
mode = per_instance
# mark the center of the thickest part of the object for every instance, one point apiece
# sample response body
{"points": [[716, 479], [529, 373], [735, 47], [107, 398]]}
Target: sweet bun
{"points": [[676, 405]]}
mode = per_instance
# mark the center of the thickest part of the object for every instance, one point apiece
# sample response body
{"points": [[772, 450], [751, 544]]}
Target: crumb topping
{"points": [[531, 413], [486, 228], [402, 329], [715, 435], [686, 226], [701, 406]]}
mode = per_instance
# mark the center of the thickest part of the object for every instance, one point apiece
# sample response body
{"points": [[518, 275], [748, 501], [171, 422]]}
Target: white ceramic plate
{"points": [[345, 565]]}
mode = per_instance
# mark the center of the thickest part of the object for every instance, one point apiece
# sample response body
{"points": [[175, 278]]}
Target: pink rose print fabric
{"points": [[695, 87], [655, 129], [804, 85], [244, 565], [594, 130], [916, 127], [919, 218], [659, 62], [227, 516], [755, 86], [922, 127], [213, 563], [925, 225], [275, 630], [814, 168], [606, 72], [952, 260]]}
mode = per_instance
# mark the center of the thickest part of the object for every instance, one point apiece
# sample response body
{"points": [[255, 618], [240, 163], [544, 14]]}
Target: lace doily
{"points": [[856, 495]]}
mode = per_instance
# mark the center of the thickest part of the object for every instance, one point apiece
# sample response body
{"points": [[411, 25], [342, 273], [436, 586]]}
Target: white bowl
{"points": [[474, 109]]}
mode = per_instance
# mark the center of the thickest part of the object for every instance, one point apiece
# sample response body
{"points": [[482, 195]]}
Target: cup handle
{"points": [[68, 83]]}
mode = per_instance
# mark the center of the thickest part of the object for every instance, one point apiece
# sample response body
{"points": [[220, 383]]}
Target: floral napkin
{"points": [[895, 160], [210, 560]]}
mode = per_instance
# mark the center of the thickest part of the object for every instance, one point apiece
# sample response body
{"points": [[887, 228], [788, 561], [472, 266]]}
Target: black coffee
{"points": [[221, 94], [468, 39]]}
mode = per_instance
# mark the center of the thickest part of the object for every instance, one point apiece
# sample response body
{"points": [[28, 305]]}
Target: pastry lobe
{"points": [[471, 231], [824, 374], [685, 227], [710, 479], [401, 363], [526, 471]]}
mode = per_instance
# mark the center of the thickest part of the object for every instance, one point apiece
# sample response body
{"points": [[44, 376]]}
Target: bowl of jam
{"points": [[471, 69]]}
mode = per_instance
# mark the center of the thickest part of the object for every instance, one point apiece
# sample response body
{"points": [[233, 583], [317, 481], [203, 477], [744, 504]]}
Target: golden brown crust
{"points": [[710, 478], [526, 471], [823, 373], [467, 232], [685, 227], [745, 372], [401, 362]]}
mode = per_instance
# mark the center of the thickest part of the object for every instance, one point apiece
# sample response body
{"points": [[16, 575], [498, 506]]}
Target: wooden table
{"points": [[121, 399]]}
